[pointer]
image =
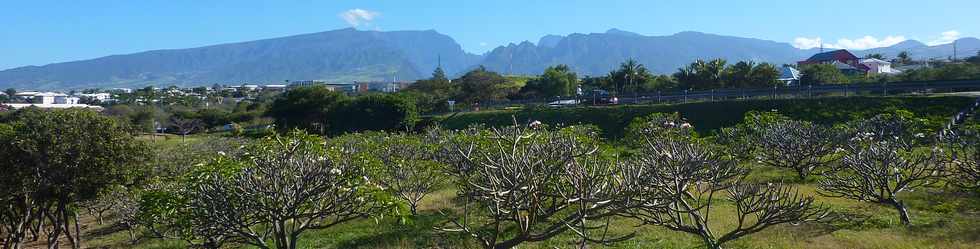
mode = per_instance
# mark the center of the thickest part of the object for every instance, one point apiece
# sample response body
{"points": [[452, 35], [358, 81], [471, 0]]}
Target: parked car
{"points": [[602, 97], [563, 103]]}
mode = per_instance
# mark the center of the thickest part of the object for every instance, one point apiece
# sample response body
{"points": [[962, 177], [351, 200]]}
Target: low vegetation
{"points": [[668, 182]]}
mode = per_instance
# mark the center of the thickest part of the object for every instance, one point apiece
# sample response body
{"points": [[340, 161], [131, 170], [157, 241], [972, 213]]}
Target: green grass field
{"points": [[941, 217]]}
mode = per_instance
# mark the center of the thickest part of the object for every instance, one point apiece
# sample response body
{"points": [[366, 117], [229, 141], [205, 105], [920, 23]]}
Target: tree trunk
{"points": [[903, 212], [99, 215], [802, 173], [711, 243], [55, 232], [78, 232]]}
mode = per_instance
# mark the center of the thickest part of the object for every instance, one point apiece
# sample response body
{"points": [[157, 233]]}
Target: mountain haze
{"points": [[348, 55], [339, 55]]}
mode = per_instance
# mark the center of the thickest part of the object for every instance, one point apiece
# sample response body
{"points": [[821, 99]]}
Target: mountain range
{"points": [[348, 55]]}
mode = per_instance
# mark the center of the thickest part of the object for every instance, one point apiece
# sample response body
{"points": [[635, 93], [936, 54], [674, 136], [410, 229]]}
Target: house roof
{"points": [[789, 73], [841, 54], [875, 61]]}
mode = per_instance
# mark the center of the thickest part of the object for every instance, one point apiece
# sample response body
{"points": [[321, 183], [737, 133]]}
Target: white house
{"points": [[101, 97], [879, 66], [48, 100]]}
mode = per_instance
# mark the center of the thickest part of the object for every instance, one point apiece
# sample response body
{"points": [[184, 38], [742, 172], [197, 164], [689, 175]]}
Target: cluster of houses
{"points": [[354, 88], [47, 100], [843, 60], [62, 100]]}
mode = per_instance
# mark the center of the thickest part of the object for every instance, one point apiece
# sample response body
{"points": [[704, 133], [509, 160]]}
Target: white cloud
{"points": [[868, 41], [358, 17], [483, 44], [946, 38], [862, 43], [807, 43]]}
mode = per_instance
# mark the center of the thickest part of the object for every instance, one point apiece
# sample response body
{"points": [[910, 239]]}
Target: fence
{"points": [[799, 91]]}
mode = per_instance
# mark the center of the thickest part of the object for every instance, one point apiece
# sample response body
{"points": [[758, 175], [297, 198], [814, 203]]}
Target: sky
{"points": [[39, 32]]}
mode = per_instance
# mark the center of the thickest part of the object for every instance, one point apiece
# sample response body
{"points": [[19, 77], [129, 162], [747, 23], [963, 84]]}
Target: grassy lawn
{"points": [[941, 218]]}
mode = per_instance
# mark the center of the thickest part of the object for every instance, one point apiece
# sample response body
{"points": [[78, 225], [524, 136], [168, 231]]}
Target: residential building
{"points": [[48, 100], [388, 87], [842, 59], [101, 97], [876, 66], [789, 76]]}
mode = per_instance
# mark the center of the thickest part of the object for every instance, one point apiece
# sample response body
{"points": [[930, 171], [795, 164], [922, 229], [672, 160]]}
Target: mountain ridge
{"points": [[346, 55]]}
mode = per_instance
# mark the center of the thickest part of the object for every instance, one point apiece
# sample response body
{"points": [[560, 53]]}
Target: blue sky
{"points": [[39, 32]]}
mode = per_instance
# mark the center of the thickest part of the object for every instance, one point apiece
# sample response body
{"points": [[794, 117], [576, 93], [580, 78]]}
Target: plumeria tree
{"points": [[283, 186], [881, 161], [522, 184], [682, 177]]}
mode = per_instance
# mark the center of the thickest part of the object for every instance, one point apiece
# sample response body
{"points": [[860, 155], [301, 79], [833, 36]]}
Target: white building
{"points": [[48, 100], [879, 66], [101, 97]]}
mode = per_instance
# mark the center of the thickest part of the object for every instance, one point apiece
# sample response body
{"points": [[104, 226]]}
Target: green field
{"points": [[941, 217]]}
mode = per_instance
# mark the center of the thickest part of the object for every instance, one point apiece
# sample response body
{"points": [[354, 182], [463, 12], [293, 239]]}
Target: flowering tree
{"points": [[681, 176], [281, 187], [880, 162], [798, 145], [520, 184], [408, 168]]}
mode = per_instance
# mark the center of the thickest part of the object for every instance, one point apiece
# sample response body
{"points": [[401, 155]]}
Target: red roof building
{"points": [[837, 56]]}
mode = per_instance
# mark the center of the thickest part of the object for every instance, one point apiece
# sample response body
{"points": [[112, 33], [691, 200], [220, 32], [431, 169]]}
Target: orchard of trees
{"points": [[528, 182]]}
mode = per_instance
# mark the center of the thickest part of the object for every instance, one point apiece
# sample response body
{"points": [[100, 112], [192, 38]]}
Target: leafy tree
{"points": [[55, 159], [557, 80], [818, 74], [10, 92], [740, 74], [764, 75], [375, 112], [875, 56], [432, 94], [659, 83], [629, 77], [481, 85], [702, 75], [310, 108]]}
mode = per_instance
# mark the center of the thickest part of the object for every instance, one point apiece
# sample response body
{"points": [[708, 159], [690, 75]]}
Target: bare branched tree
{"points": [[409, 168], [521, 184], [105, 202], [682, 177], [186, 126], [964, 150], [798, 145], [286, 186], [880, 162]]}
